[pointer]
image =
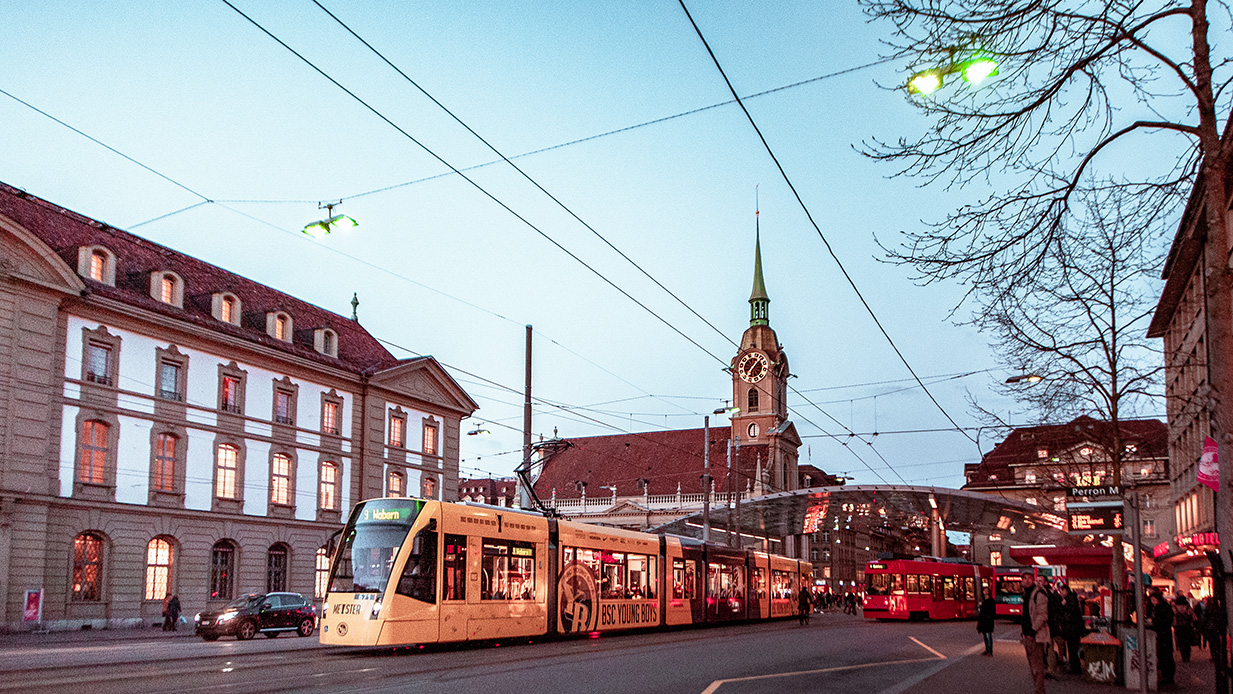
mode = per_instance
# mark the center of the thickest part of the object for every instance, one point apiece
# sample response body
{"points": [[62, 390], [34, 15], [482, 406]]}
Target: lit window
{"points": [[329, 418], [87, 568], [159, 556], [430, 489], [995, 538], [280, 479], [430, 439], [98, 363], [276, 569], [169, 381], [165, 463], [1085, 451], [226, 467], [1145, 471], [280, 327], [397, 485], [1029, 477], [1042, 452], [321, 579], [228, 309], [93, 452], [1131, 448], [1031, 500], [167, 290], [230, 397], [1149, 527], [995, 559], [98, 266], [398, 425], [222, 570], [329, 486]]}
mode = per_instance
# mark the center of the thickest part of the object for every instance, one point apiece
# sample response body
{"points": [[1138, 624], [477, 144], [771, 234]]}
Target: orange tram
{"points": [[924, 589], [411, 571]]}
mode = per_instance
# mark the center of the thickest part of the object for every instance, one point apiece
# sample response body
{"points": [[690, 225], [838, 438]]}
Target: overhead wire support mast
{"points": [[472, 182], [784, 174]]}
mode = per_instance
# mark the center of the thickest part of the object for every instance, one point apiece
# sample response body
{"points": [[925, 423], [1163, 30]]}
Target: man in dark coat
{"points": [[1072, 627], [1162, 623], [984, 622]]}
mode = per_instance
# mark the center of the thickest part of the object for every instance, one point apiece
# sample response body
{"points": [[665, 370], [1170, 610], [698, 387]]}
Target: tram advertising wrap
{"points": [[410, 571]]}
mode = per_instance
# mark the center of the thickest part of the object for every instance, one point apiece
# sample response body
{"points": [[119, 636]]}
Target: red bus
{"points": [[924, 589]]}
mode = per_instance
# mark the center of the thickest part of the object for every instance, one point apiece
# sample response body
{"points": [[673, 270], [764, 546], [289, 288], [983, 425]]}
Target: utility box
{"points": [[1130, 652], [1100, 654]]}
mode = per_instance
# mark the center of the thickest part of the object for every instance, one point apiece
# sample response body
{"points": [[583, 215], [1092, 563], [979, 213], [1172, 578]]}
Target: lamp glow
{"points": [[979, 69], [925, 83]]}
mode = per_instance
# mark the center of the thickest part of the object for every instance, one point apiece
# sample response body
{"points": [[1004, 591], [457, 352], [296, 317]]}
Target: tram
{"points": [[412, 571], [924, 589], [1010, 582]]}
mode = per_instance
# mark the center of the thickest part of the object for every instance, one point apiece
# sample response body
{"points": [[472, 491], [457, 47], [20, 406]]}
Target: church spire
{"points": [[758, 300]]}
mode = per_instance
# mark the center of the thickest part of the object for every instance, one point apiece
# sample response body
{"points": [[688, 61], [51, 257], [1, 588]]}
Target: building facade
{"points": [[502, 491], [169, 427]]}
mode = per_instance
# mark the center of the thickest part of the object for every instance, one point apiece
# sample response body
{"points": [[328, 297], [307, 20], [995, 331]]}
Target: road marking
{"points": [[918, 643], [719, 683]]}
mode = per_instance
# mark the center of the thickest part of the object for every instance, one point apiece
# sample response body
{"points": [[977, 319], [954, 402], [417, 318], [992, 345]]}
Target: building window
{"points": [[283, 412], [753, 399], [228, 309], [329, 486], [231, 392], [1145, 471], [165, 462], [276, 569], [98, 266], [280, 479], [321, 579], [98, 363], [325, 341], [1149, 527], [97, 263], [1146, 500], [159, 559], [92, 467], [226, 467], [167, 290], [398, 429], [396, 485], [1042, 452], [169, 381], [1029, 477], [430, 488], [87, 568], [430, 439], [225, 306], [279, 326], [329, 418], [995, 559], [222, 570]]}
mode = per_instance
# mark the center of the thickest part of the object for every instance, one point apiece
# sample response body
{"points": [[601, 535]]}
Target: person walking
{"points": [[1162, 623], [173, 611], [1055, 651], [166, 612], [1036, 637], [985, 615], [1072, 626], [804, 605], [1200, 632], [1183, 626]]}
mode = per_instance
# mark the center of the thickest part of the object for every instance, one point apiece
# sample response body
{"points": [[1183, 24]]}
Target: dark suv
{"points": [[270, 614]]}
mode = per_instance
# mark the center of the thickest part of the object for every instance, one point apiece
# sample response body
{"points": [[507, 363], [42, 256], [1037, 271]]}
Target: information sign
{"points": [[1102, 519]]}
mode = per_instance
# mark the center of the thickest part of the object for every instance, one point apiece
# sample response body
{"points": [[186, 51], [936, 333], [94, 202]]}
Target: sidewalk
{"points": [[34, 638], [1007, 673]]}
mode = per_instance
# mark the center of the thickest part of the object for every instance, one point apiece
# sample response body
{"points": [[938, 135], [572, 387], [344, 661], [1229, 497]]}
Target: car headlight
{"points": [[376, 610], [226, 616]]}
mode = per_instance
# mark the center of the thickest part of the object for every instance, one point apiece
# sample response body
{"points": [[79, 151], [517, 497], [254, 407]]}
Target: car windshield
{"points": [[242, 602], [371, 542]]}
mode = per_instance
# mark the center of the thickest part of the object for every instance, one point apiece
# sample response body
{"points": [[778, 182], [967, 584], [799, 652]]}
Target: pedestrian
{"points": [[1055, 652], [1072, 626], [1200, 632], [167, 612], [985, 615], [173, 611], [1183, 626], [1162, 623], [1036, 637], [804, 606]]}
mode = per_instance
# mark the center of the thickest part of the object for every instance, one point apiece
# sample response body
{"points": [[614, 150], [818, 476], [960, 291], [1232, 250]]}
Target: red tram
{"points": [[924, 589]]}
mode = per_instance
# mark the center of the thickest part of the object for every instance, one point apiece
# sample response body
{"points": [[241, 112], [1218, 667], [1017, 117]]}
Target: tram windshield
{"points": [[370, 544]]}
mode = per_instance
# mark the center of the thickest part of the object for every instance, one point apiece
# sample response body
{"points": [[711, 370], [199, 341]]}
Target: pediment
{"points": [[426, 380], [23, 256], [787, 432], [627, 506]]}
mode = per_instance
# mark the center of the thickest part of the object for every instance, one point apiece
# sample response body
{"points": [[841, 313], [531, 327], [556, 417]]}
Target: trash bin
{"points": [[1100, 655]]}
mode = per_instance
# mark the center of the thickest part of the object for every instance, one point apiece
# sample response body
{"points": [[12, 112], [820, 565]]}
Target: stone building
{"points": [[167, 426]]}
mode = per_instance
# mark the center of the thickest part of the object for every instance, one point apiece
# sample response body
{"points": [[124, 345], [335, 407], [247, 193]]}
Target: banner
{"points": [[1209, 465], [33, 611]]}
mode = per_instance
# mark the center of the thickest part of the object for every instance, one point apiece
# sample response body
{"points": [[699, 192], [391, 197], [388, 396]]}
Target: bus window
{"points": [[896, 584], [419, 576], [877, 584], [507, 570], [913, 583], [455, 569]]}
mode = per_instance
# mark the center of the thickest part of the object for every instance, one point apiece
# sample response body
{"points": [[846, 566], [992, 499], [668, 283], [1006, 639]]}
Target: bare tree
{"points": [[1094, 96]]}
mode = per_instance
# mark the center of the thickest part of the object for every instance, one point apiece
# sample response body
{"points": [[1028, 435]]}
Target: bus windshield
{"points": [[370, 544]]}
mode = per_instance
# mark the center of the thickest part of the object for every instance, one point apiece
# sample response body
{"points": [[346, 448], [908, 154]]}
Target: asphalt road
{"points": [[835, 653]]}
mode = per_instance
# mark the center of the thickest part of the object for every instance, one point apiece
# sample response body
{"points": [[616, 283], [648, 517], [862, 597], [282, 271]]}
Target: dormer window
{"points": [[225, 306], [278, 326], [97, 263], [1042, 452], [167, 287], [325, 341]]}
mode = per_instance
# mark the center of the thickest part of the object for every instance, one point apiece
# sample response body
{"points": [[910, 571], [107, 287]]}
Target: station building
{"points": [[169, 427]]}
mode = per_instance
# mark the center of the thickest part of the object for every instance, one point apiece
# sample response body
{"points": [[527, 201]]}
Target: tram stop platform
{"points": [[1006, 672]]}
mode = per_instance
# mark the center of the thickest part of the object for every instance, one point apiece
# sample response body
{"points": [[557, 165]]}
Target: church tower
{"points": [[760, 389]]}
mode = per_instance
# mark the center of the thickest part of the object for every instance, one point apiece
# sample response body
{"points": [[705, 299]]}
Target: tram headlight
{"points": [[376, 610], [325, 609]]}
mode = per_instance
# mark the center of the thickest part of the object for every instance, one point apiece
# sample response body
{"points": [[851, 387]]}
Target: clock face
{"points": [[753, 367]]}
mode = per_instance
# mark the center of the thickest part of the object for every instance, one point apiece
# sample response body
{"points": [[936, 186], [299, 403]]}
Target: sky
{"points": [[188, 102]]}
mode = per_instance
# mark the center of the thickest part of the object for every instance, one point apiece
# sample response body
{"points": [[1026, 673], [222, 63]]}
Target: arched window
{"points": [[280, 479], [329, 486], [276, 560], [98, 266], [396, 485], [753, 399], [160, 557], [226, 464], [222, 570], [165, 462], [321, 579], [97, 263], [93, 452], [87, 567], [430, 488]]}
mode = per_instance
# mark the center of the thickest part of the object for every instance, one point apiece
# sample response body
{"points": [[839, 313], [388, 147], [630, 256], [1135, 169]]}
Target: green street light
{"points": [[925, 83], [322, 227], [978, 69]]}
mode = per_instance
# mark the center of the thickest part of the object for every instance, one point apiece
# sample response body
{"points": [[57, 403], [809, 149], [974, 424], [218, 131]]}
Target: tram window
{"points": [[615, 587], [969, 588], [760, 583], [507, 570], [714, 584], [877, 584], [691, 578], [896, 584], [641, 582], [678, 579], [419, 576], [948, 588], [455, 567], [926, 584], [984, 587], [913, 583]]}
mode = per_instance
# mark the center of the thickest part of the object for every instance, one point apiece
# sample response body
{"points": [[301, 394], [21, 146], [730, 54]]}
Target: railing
{"points": [[655, 502]]}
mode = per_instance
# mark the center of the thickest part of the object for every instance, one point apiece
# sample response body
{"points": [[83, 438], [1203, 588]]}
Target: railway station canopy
{"points": [[888, 507]]}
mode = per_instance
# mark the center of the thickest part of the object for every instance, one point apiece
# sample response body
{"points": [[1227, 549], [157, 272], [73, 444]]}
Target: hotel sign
{"points": [[1198, 540]]}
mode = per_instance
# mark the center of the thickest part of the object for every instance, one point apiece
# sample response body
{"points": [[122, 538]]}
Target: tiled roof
{"points": [[66, 231], [492, 489], [1149, 436], [665, 459]]}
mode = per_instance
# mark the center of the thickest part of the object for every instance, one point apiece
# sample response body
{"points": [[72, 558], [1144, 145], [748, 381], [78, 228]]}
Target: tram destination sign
{"points": [[1107, 520]]}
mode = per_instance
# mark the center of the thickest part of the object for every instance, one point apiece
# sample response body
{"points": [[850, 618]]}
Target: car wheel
{"points": [[246, 630], [210, 637], [271, 634], [306, 627]]}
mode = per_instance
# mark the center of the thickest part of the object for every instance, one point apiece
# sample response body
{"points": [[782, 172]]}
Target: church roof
{"points": [[759, 287]]}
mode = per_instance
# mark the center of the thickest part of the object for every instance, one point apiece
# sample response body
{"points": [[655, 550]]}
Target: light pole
{"points": [[706, 478]]}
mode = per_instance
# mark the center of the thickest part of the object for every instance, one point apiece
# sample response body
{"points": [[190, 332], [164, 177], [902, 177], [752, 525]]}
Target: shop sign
{"points": [[1198, 540], [1160, 550]]}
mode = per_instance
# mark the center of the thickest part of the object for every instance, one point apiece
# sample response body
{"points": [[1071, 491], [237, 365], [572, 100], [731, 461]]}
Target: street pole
{"points": [[706, 478], [525, 493], [736, 513], [1139, 607], [727, 507]]}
